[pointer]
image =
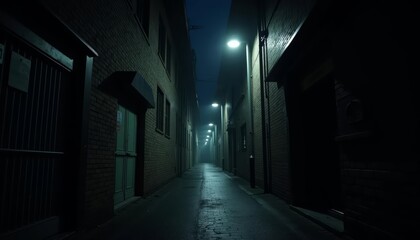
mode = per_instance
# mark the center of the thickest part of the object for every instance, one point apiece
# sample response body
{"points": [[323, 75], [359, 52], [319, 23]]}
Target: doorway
{"points": [[321, 157], [232, 148], [125, 155]]}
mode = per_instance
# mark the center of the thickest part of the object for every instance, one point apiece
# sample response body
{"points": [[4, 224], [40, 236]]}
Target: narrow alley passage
{"points": [[207, 203]]}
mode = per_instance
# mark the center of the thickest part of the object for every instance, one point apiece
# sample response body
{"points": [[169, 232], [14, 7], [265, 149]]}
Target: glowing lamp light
{"points": [[233, 43], [214, 104]]}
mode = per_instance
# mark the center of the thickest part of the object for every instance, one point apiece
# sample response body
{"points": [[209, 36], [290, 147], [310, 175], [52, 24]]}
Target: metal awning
{"points": [[129, 87]]}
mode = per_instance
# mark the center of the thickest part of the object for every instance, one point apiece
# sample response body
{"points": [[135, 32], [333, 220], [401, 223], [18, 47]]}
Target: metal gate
{"points": [[32, 98]]}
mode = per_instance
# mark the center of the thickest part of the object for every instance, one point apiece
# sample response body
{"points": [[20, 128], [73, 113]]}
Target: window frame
{"points": [[162, 41], [165, 51], [167, 118], [168, 58], [160, 100], [141, 11]]}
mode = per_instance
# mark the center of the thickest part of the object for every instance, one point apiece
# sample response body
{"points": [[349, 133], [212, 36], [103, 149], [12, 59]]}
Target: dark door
{"points": [[321, 159], [232, 148], [125, 155]]}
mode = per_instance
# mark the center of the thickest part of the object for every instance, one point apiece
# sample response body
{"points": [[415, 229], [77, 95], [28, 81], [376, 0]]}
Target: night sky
{"points": [[207, 20]]}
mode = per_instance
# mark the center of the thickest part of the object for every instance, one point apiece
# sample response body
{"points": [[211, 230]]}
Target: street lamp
{"points": [[212, 137], [234, 43], [221, 149], [215, 136]]}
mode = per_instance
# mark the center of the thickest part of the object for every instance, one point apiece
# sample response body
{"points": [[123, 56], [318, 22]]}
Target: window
{"points": [[162, 40], [164, 47], [168, 58], [141, 10], [159, 110], [243, 137], [168, 118], [163, 114]]}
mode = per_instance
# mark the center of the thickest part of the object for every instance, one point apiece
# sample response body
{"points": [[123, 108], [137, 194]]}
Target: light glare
{"points": [[233, 43]]}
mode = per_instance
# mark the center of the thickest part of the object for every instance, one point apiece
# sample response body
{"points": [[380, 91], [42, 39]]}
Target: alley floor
{"points": [[207, 203]]}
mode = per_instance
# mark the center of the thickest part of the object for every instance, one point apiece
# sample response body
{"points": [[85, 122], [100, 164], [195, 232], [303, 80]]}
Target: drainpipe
{"points": [[250, 116], [262, 35]]}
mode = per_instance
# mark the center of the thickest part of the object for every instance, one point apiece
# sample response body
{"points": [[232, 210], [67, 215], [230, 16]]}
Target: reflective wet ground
{"points": [[207, 203]]}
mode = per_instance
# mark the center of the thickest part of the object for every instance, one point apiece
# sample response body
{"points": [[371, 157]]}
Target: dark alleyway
{"points": [[206, 203], [104, 129]]}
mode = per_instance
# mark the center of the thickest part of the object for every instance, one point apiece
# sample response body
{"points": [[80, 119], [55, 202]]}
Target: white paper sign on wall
{"points": [[20, 68]]}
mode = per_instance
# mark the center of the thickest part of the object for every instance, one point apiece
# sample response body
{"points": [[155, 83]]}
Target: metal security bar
{"points": [[31, 137], [29, 190]]}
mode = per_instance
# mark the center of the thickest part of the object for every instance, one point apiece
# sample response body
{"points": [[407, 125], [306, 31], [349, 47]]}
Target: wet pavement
{"points": [[207, 203]]}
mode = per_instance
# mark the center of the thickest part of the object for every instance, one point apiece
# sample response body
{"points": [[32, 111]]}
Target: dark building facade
{"points": [[334, 115], [97, 107]]}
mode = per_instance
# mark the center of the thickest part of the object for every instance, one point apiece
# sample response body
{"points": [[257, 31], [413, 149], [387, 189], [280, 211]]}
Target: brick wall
{"points": [[282, 23], [112, 30], [279, 142], [256, 105]]}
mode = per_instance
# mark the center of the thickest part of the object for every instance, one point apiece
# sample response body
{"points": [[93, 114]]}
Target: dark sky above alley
{"points": [[208, 41]]}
